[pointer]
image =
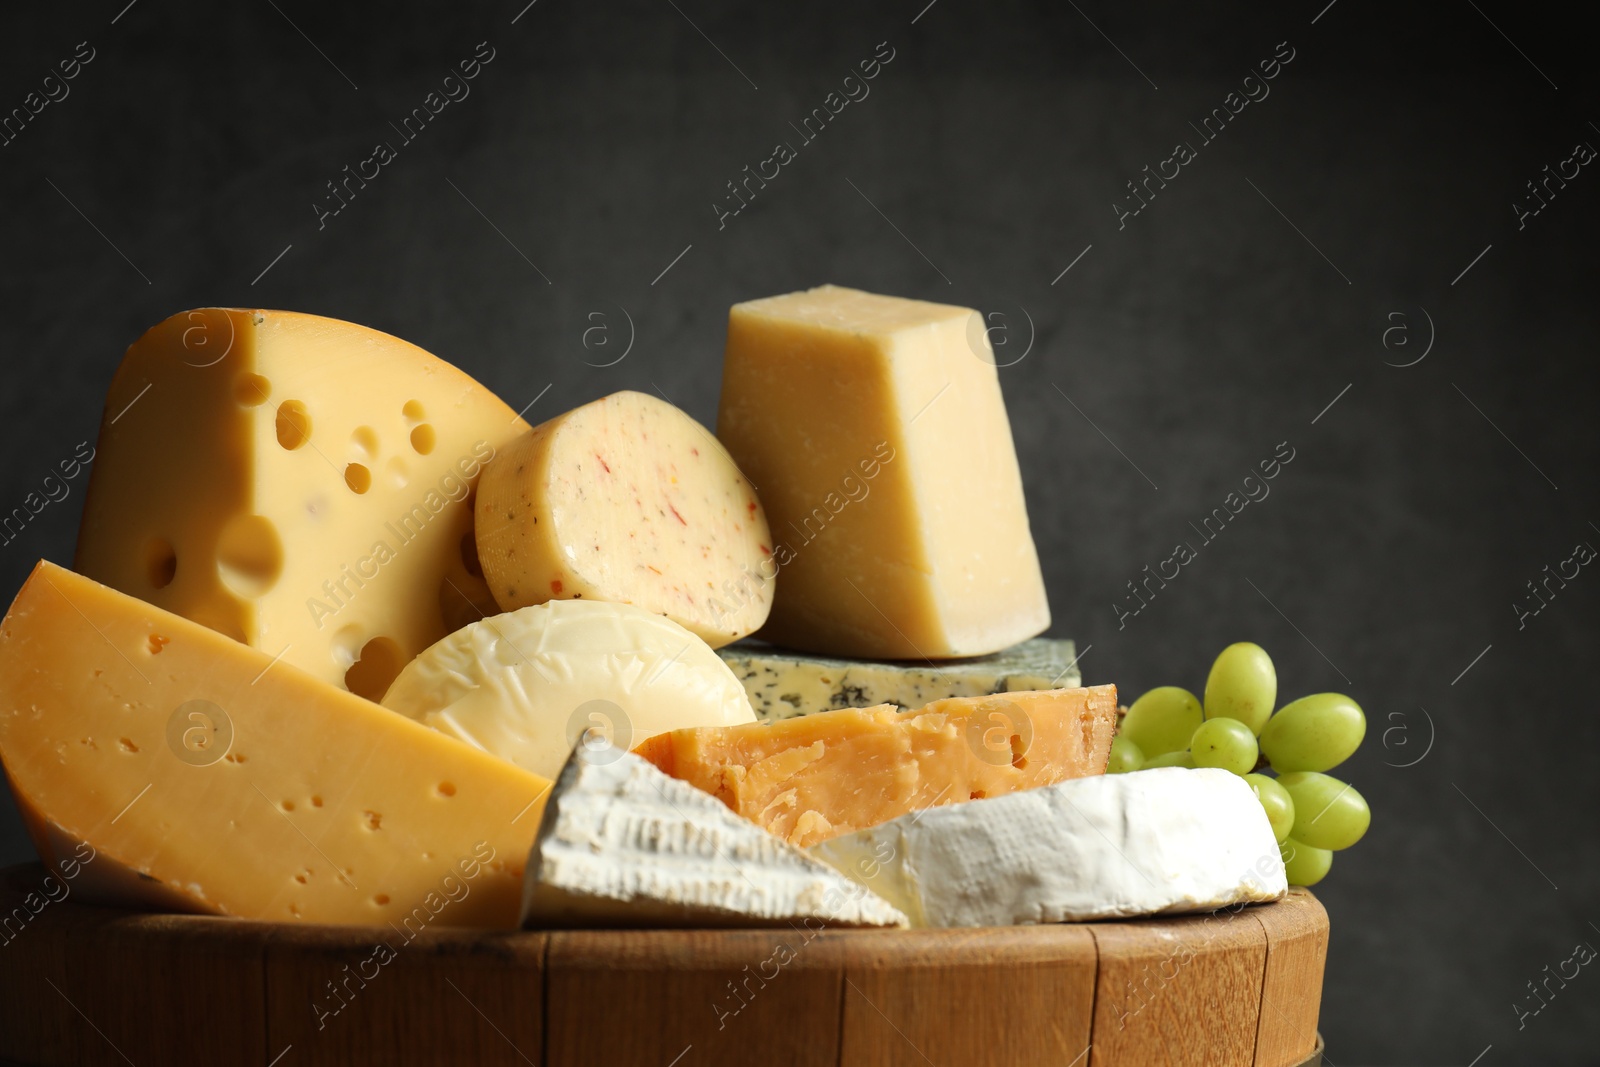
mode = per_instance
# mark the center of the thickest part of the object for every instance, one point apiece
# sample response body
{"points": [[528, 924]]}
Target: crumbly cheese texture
{"points": [[629, 500], [298, 483], [1151, 842], [524, 685], [818, 776], [202, 776], [623, 844], [782, 683], [875, 431]]}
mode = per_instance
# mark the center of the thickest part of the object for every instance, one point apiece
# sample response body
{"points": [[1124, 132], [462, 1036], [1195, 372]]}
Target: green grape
{"points": [[1225, 743], [1242, 685], [1125, 756], [1163, 720], [1180, 758], [1303, 863], [1327, 812], [1276, 802], [1314, 733]]}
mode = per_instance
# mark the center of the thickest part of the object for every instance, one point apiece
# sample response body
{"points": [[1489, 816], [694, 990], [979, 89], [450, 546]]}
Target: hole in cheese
{"points": [[293, 424], [423, 439], [251, 389], [288, 805], [358, 477], [374, 819], [316, 802], [1018, 760], [249, 555], [127, 745], [413, 411], [381, 899], [380, 660], [161, 562], [447, 789], [156, 641], [365, 439]]}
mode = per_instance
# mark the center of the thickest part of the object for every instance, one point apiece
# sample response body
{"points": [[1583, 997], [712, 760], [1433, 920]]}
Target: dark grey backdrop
{"points": [[1253, 292]]}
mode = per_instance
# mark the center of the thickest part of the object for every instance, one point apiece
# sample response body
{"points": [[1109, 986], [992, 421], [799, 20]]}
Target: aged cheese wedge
{"points": [[207, 777], [1112, 846], [818, 776], [298, 483], [629, 500], [874, 430], [624, 845], [782, 683], [526, 684]]}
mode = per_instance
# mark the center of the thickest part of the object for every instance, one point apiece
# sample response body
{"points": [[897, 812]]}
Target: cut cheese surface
{"points": [[1113, 846], [526, 684], [234, 785], [298, 483], [818, 776], [622, 844], [627, 500], [782, 683], [875, 431]]}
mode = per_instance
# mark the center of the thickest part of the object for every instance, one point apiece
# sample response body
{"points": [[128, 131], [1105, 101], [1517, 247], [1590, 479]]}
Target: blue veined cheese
{"points": [[782, 683]]}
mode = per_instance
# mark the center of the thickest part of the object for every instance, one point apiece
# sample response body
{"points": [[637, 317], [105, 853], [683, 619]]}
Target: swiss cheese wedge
{"points": [[298, 483], [205, 776], [814, 777]]}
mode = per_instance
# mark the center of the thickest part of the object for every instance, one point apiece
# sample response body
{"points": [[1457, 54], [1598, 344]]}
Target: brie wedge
{"points": [[622, 844], [1171, 839]]}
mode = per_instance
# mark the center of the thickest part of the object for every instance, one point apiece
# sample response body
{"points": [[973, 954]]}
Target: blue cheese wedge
{"points": [[622, 844], [1111, 846], [782, 683]]}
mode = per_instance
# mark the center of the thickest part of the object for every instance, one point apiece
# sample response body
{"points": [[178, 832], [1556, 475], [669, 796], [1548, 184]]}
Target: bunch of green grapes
{"points": [[1312, 813]]}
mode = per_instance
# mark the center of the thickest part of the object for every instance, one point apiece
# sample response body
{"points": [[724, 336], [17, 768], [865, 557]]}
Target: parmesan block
{"points": [[782, 683], [199, 775], [817, 776], [1153, 842], [624, 845], [298, 483], [627, 500], [526, 684], [874, 429]]}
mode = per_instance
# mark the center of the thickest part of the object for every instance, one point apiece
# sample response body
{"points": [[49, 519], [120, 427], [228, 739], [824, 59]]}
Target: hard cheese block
{"points": [[297, 483], [628, 500], [623, 844], [818, 776], [526, 684], [782, 683], [1112, 846], [874, 430], [194, 766]]}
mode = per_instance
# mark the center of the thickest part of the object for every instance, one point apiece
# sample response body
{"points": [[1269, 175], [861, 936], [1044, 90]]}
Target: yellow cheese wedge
{"points": [[295, 482], [874, 430], [222, 782], [817, 776], [630, 501]]}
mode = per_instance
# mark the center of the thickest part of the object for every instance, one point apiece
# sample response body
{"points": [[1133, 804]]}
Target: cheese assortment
{"points": [[624, 843], [372, 650], [817, 776], [874, 430], [616, 667], [1105, 847]]}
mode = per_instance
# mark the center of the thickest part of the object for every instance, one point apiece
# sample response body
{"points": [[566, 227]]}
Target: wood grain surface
{"points": [[89, 985]]}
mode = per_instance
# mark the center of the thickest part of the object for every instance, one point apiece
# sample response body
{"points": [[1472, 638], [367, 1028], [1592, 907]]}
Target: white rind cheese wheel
{"points": [[627, 500], [525, 685]]}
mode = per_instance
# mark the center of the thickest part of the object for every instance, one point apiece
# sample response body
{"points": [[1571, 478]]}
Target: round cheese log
{"points": [[525, 685], [627, 500]]}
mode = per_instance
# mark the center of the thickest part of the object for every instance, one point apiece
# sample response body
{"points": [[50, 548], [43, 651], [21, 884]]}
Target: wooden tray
{"points": [[89, 985]]}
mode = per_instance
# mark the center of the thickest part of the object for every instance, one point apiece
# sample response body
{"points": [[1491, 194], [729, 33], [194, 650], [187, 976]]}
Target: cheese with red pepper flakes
{"points": [[627, 500]]}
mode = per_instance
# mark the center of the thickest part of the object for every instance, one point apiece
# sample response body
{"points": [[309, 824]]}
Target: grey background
{"points": [[1215, 325]]}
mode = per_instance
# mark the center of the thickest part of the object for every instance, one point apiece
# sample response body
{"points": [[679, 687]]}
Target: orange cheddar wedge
{"points": [[817, 776]]}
